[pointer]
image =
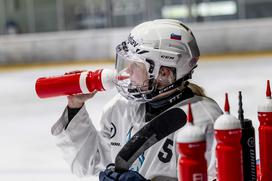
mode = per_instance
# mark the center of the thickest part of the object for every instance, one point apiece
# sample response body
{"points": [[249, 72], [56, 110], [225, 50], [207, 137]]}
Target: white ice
{"points": [[28, 150]]}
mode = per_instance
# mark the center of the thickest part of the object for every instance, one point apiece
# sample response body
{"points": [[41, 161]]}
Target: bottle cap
{"points": [[247, 123], [266, 106], [227, 121], [190, 133]]}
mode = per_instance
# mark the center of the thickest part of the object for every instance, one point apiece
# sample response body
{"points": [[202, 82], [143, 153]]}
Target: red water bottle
{"points": [[229, 160], [75, 83], [265, 136], [191, 145]]}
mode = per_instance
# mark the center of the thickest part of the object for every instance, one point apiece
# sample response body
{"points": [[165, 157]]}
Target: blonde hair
{"points": [[197, 90]]}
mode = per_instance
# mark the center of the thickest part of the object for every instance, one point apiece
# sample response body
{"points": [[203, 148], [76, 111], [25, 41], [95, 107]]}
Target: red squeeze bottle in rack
{"points": [[75, 83], [228, 133], [191, 146], [265, 136]]}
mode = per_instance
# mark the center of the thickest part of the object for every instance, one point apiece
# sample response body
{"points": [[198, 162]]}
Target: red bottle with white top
{"points": [[191, 145], [265, 136], [228, 133], [75, 83]]}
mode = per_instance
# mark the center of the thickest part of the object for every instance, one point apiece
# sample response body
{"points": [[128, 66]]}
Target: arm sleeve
{"points": [[86, 150], [71, 114]]}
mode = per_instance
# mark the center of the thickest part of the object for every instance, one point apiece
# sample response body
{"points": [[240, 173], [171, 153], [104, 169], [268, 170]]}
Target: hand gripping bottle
{"points": [[75, 83], [248, 144], [228, 133], [191, 145], [265, 136]]}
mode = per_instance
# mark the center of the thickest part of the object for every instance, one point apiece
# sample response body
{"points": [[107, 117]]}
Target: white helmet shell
{"points": [[168, 43]]}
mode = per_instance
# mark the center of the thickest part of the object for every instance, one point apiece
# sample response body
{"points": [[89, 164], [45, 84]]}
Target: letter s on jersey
{"points": [[166, 154]]}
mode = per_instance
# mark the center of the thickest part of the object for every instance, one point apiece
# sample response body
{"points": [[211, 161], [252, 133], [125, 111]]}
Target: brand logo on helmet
{"points": [[167, 57], [175, 36], [132, 41]]}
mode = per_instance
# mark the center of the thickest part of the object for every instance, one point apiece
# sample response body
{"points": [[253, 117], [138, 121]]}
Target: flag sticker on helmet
{"points": [[175, 36]]}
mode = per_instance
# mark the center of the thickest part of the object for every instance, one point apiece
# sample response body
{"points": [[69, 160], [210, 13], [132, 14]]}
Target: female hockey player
{"points": [[155, 62]]}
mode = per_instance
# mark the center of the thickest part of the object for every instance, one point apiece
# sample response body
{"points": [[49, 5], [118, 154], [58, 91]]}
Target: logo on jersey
{"points": [[115, 144], [112, 130]]}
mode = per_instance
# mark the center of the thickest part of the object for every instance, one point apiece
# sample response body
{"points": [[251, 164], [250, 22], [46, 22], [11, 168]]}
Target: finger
{"points": [[88, 96], [74, 72], [81, 97]]}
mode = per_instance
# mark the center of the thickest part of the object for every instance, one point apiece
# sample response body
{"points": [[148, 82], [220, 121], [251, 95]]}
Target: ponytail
{"points": [[197, 90]]}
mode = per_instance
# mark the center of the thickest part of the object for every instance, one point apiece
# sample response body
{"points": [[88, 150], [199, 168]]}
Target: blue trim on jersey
{"points": [[141, 158], [129, 134]]}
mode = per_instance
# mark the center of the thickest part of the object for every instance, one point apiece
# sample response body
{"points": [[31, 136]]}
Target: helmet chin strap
{"points": [[170, 87], [154, 92]]}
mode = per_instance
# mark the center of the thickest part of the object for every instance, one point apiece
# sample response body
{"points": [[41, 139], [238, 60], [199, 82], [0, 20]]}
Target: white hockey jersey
{"points": [[89, 151]]}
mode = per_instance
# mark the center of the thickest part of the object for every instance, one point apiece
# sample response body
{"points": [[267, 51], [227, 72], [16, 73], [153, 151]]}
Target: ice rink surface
{"points": [[28, 151]]}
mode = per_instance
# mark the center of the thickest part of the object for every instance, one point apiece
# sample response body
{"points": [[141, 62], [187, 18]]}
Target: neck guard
{"points": [[154, 108]]}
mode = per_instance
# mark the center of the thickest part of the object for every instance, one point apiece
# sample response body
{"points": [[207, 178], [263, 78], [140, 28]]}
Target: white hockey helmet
{"points": [[157, 43]]}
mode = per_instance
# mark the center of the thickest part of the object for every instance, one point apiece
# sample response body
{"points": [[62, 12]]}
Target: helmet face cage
{"points": [[134, 93], [125, 86]]}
